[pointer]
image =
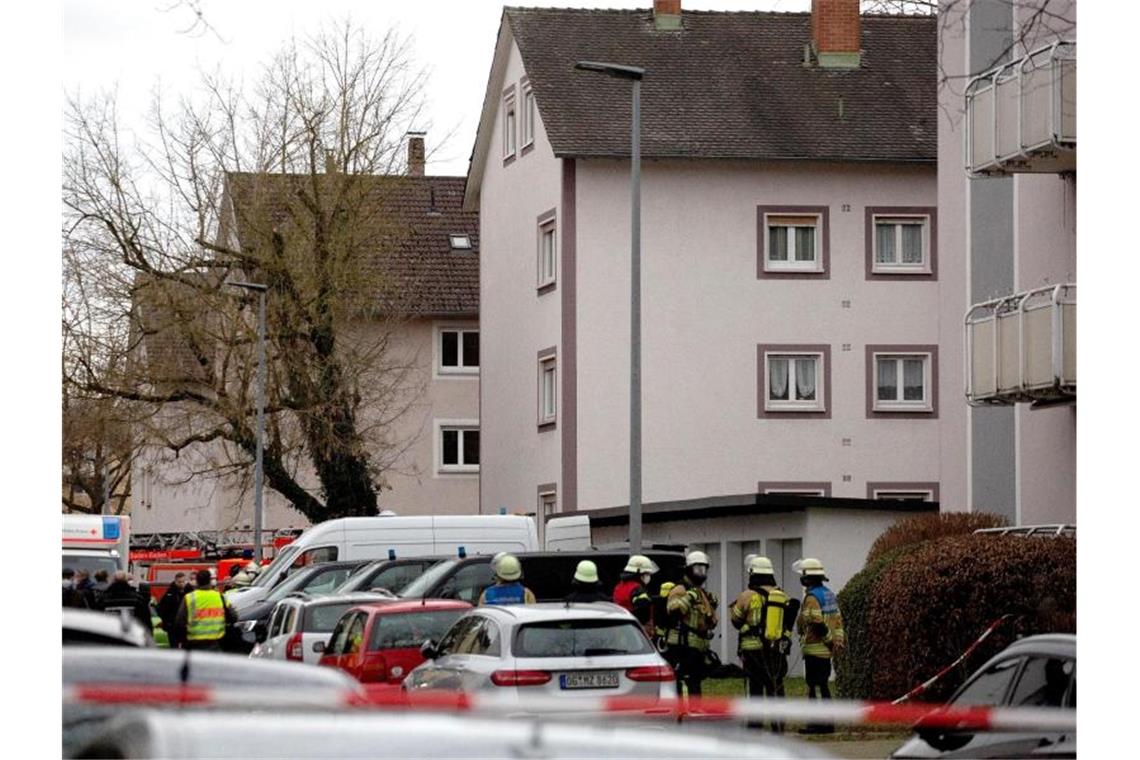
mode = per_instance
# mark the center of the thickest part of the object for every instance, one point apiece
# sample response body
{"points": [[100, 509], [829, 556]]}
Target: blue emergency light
{"points": [[502, 510], [111, 528], [462, 552], [391, 554]]}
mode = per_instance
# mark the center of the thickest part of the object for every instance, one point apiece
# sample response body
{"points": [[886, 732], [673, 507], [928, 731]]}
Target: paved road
{"points": [[871, 748]]}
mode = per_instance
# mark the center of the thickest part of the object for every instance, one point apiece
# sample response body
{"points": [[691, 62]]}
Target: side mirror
{"points": [[428, 650], [260, 632], [943, 740]]}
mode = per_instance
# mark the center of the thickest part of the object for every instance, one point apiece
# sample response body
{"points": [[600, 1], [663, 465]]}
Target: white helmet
{"points": [[639, 563], [586, 572], [696, 558], [760, 566], [809, 567]]}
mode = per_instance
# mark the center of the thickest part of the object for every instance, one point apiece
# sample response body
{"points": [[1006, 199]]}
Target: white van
{"points": [[350, 538]]}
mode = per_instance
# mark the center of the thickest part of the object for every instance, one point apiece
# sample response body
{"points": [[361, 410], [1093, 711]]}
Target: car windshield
{"points": [[91, 563], [580, 638], [284, 559], [420, 586], [316, 582], [411, 629], [322, 618]]}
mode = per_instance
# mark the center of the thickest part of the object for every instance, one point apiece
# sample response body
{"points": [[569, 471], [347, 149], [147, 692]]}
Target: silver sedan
{"points": [[550, 650]]}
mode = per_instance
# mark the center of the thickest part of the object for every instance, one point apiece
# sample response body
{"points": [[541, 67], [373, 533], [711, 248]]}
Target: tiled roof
{"points": [[731, 85], [412, 220]]}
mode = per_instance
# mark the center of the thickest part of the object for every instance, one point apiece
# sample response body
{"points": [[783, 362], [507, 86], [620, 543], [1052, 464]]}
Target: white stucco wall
{"points": [[517, 322], [705, 311]]}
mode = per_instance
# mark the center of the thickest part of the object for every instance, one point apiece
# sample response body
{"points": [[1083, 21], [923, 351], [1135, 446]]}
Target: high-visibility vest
{"points": [[205, 615]]}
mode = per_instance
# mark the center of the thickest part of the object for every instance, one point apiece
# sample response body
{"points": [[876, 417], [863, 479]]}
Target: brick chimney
{"points": [[667, 14], [835, 28], [415, 154]]}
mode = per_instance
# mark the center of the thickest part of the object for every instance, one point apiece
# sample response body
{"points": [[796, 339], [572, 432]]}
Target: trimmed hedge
{"points": [[915, 530], [932, 603], [854, 667]]}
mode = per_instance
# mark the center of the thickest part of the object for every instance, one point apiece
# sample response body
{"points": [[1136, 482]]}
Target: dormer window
{"points": [[460, 242]]}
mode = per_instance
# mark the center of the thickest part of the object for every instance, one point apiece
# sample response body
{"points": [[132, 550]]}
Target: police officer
{"points": [[820, 626], [204, 615], [692, 623], [763, 614], [508, 588], [632, 591]]}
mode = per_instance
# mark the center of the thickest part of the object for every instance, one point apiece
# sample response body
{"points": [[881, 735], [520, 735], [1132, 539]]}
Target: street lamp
{"points": [[634, 74], [257, 468]]}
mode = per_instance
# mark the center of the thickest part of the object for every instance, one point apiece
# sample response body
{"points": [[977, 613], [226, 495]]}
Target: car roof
{"points": [[312, 733], [113, 626], [534, 613], [1064, 644], [355, 597], [413, 605], [165, 666]]}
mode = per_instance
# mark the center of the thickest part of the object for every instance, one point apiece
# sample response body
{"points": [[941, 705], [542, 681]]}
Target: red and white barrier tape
{"points": [[922, 687], [790, 710]]}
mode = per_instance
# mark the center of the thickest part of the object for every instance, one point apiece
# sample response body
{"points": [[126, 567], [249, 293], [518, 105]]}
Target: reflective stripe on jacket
{"points": [[506, 593], [820, 623], [693, 614], [205, 615]]}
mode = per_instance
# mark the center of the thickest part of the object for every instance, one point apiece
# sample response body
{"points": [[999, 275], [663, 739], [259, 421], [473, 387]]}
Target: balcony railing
{"points": [[1022, 116], [1023, 348]]}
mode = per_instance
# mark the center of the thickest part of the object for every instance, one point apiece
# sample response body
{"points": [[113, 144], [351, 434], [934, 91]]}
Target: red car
{"points": [[380, 644]]}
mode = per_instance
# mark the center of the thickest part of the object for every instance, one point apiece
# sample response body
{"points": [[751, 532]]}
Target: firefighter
{"points": [[204, 615], [763, 614], [632, 592], [586, 586], [820, 626], [508, 588], [692, 623]]}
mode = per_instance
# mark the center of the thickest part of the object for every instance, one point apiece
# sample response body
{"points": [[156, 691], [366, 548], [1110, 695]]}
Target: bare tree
{"points": [[289, 182], [97, 455]]}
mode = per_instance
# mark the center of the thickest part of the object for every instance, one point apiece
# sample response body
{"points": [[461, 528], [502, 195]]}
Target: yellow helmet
{"points": [[586, 572], [666, 587], [508, 568]]}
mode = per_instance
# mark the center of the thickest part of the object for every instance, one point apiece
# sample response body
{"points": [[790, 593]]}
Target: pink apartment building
{"points": [[435, 269], [801, 325]]}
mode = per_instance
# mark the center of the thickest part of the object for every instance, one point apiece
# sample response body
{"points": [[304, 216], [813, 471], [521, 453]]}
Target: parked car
{"points": [[1037, 671], [551, 649], [107, 666], [300, 626], [103, 628], [381, 643], [389, 574], [323, 734], [547, 574], [394, 537], [317, 580]]}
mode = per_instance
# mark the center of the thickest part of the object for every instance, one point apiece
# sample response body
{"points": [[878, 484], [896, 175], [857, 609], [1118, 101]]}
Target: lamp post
{"points": [[257, 467], [635, 75]]}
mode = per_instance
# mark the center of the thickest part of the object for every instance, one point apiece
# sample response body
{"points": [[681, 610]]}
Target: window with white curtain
{"points": [[794, 381], [792, 242], [902, 381], [902, 244], [528, 115]]}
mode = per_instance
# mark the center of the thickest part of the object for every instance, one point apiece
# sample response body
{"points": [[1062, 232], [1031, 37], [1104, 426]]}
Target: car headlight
{"points": [[247, 626]]}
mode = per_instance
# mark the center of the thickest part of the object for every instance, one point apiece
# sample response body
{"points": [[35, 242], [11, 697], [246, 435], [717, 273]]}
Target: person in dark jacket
{"points": [[101, 583], [168, 607], [585, 587], [121, 595], [72, 597], [86, 587]]}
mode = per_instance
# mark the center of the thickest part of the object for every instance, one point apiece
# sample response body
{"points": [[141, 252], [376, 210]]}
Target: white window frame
{"points": [[547, 228], [460, 425], [905, 494], [897, 266], [529, 115], [794, 405], [440, 369], [898, 404], [510, 126], [791, 265], [547, 412]]}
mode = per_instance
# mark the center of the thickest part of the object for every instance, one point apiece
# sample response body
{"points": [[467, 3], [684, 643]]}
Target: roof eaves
{"points": [[478, 161]]}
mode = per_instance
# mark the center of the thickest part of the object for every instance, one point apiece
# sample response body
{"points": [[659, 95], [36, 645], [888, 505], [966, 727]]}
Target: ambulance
{"points": [[96, 542]]}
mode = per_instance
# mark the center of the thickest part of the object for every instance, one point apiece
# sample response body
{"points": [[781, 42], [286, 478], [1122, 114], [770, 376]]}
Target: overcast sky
{"points": [[135, 44]]}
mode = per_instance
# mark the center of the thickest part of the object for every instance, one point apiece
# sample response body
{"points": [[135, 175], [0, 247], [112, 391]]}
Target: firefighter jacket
{"points": [[692, 616], [759, 616], [820, 623]]}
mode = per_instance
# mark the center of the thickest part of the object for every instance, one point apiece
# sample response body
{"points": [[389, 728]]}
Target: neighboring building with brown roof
{"points": [[800, 332], [426, 271]]}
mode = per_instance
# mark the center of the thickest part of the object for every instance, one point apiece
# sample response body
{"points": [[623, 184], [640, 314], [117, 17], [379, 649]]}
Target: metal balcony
{"points": [[1023, 348], [1022, 116]]}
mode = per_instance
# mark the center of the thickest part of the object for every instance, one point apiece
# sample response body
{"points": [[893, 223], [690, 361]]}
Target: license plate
{"points": [[596, 680]]}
